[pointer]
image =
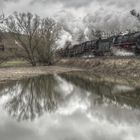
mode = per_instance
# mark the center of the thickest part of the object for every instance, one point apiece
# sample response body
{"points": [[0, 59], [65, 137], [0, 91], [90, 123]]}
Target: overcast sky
{"points": [[104, 13], [76, 7]]}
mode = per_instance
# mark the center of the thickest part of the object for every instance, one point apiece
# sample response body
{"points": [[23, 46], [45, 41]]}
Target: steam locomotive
{"points": [[102, 47]]}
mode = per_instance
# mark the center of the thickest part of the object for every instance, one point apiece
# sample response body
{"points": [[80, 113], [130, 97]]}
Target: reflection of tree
{"points": [[7, 87], [33, 97], [30, 98], [102, 91]]}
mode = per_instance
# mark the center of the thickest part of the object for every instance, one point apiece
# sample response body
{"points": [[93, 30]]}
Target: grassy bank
{"points": [[126, 68], [14, 63], [123, 67]]}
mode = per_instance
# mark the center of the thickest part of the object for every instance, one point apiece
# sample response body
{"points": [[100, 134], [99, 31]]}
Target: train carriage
{"points": [[101, 47], [130, 42]]}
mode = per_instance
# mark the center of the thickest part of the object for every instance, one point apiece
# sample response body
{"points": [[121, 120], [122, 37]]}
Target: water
{"points": [[72, 106]]}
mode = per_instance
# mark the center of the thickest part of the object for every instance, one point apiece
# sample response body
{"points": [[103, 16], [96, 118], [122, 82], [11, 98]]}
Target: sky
{"points": [[107, 15], [76, 7]]}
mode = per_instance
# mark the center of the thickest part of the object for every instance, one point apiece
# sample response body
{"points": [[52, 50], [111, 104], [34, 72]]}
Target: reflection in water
{"points": [[69, 106], [31, 97], [111, 91]]}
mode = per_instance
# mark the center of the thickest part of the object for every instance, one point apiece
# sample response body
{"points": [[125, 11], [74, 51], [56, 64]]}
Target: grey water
{"points": [[69, 106]]}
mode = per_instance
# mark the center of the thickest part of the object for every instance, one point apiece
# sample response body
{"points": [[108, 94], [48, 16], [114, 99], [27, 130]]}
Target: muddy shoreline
{"points": [[17, 73], [122, 68]]}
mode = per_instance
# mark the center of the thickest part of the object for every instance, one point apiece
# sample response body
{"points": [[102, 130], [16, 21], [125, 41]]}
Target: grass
{"points": [[14, 63]]}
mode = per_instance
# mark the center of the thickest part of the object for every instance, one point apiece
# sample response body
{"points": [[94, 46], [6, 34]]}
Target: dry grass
{"points": [[14, 63], [127, 67], [14, 73]]}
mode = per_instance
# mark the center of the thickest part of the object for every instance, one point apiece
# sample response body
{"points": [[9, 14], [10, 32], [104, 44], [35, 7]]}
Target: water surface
{"points": [[70, 106]]}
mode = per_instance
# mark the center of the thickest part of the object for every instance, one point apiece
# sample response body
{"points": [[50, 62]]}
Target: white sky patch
{"points": [[64, 87], [106, 15], [74, 105], [19, 6], [37, 8], [3, 99]]}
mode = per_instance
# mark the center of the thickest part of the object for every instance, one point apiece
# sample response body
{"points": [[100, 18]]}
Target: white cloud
{"points": [[106, 14]]}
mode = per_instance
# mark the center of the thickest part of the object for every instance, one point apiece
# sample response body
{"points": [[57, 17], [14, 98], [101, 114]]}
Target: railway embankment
{"points": [[108, 66]]}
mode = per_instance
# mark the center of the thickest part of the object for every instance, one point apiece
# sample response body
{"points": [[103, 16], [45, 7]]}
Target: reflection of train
{"points": [[100, 47]]}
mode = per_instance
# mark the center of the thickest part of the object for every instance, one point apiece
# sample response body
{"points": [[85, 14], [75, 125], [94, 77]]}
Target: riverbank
{"points": [[108, 66], [16, 73]]}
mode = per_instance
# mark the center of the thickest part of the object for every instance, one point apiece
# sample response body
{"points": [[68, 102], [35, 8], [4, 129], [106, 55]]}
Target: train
{"points": [[104, 47]]}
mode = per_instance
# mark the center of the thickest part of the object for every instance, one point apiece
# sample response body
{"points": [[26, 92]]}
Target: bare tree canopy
{"points": [[37, 37], [49, 35], [4, 56]]}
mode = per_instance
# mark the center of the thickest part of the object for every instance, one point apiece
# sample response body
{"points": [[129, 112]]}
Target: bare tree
{"points": [[4, 56], [37, 37], [49, 34], [36, 96], [2, 18], [24, 28]]}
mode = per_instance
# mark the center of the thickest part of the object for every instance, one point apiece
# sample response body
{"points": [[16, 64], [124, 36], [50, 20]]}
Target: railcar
{"points": [[101, 47], [130, 42]]}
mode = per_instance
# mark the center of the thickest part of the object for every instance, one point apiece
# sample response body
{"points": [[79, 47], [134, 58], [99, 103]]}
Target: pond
{"points": [[69, 106]]}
